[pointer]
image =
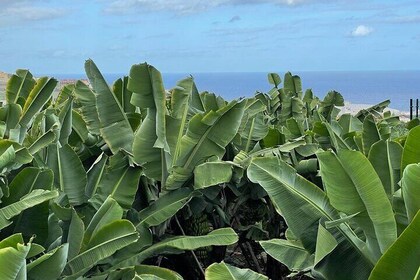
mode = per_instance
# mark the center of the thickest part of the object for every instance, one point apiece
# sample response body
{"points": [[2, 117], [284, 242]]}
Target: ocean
{"points": [[359, 87]]}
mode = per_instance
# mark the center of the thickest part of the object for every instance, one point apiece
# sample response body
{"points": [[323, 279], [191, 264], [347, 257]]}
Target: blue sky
{"points": [[192, 36]]}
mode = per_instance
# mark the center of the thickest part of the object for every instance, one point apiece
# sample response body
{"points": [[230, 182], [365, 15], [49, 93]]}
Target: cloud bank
{"points": [[185, 6]]}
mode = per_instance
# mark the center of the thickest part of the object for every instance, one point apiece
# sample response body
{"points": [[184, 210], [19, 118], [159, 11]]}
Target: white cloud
{"points": [[185, 6], [33, 13], [361, 31], [22, 10]]}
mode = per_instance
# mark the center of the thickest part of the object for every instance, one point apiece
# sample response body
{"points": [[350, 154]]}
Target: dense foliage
{"points": [[136, 182]]}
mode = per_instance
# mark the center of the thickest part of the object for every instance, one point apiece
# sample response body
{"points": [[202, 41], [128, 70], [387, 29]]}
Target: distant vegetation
{"points": [[136, 182]]}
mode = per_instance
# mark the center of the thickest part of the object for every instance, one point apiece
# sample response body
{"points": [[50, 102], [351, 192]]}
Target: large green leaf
{"points": [[49, 265], [12, 258], [34, 198], [109, 212], [120, 181], [385, 157], [290, 253], [85, 98], [114, 125], [104, 243], [37, 98], [411, 189], [146, 83], [402, 260], [19, 85], [370, 134], [353, 186], [207, 135], [224, 271], [411, 152], [303, 204], [123, 94], [212, 173], [69, 174], [95, 174], [218, 237], [21, 154], [165, 207], [26, 180]]}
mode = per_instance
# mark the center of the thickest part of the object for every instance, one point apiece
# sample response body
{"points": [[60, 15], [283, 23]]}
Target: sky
{"points": [[191, 36]]}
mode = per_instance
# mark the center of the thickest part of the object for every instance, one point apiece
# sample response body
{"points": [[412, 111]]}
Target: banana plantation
{"points": [[132, 181]]}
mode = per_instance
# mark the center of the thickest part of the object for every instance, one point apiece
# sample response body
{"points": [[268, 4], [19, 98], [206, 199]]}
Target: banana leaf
{"points": [[109, 212], [370, 134], [164, 207], [303, 204], [37, 98], [69, 173], [85, 98], [411, 190], [49, 265], [145, 270], [107, 240], [207, 135], [385, 157], [19, 85], [13, 254], [218, 237], [120, 181], [353, 186], [123, 94], [146, 83], [291, 253], [114, 126], [33, 198], [8, 160], [95, 174], [402, 260], [411, 152], [224, 271], [212, 173]]}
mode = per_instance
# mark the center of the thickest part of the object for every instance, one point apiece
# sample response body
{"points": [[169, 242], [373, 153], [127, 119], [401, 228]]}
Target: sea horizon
{"points": [[357, 87]]}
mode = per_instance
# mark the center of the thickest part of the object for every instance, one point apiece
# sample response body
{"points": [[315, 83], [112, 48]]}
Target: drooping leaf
{"points": [[12, 259], [104, 243], [120, 181], [165, 207], [212, 173], [290, 253], [224, 271], [34, 198], [49, 265], [218, 237], [274, 79], [109, 212]]}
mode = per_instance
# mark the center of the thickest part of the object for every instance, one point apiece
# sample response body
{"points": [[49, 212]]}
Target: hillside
{"points": [[3, 81]]}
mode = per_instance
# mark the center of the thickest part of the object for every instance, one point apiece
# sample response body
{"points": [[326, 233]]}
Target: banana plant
{"points": [[354, 213]]}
